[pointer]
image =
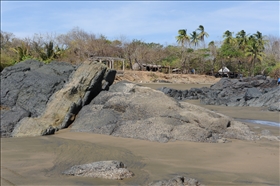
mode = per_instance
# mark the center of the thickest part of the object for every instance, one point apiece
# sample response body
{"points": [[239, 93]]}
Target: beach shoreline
{"points": [[41, 160]]}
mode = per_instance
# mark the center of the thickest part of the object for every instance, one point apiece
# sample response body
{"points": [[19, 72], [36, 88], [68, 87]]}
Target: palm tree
{"points": [[242, 39], [254, 50], [228, 37], [260, 40], [194, 38], [183, 37], [202, 34]]}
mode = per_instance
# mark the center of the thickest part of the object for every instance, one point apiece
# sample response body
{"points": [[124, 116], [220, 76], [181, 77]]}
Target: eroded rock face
{"points": [[132, 111], [257, 91], [26, 88], [84, 84], [115, 170]]}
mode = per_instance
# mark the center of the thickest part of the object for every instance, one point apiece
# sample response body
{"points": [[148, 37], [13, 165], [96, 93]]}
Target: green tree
{"points": [[254, 50], [183, 38], [194, 38], [202, 34], [242, 39], [229, 39], [23, 52]]}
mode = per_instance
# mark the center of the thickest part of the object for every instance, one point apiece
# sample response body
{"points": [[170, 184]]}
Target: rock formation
{"points": [[26, 88], [48, 94], [132, 111], [177, 181], [257, 91], [115, 170]]}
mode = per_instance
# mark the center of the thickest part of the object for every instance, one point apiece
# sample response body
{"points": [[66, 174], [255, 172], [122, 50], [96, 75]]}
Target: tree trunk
{"points": [[253, 67]]}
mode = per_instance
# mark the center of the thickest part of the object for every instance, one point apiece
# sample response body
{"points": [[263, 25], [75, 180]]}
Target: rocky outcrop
{"points": [[9, 118], [85, 83], [115, 170], [38, 99], [26, 88], [132, 111], [177, 181], [257, 91]]}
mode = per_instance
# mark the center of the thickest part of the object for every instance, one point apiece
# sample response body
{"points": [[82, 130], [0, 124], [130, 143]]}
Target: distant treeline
{"points": [[242, 53]]}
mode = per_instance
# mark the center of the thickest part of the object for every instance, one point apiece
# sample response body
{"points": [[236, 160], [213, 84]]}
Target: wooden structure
{"points": [[109, 61], [151, 67]]}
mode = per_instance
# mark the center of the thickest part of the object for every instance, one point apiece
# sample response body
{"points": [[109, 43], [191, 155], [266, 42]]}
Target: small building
{"points": [[223, 72]]}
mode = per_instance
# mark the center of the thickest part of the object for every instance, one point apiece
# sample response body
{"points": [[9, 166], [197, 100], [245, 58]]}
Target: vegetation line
{"points": [[247, 54]]}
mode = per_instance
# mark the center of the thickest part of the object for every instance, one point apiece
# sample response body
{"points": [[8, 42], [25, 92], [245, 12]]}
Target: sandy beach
{"points": [[40, 160]]}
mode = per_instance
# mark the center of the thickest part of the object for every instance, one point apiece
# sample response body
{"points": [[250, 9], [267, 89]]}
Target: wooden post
{"points": [[123, 65]]}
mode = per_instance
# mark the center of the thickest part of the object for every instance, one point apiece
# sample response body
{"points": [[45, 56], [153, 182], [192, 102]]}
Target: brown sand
{"points": [[40, 160]]}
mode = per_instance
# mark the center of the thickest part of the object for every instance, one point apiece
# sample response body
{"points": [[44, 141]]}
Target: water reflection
{"points": [[262, 122]]}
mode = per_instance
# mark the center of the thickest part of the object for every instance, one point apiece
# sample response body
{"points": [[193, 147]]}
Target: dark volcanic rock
{"points": [[257, 91], [115, 170], [9, 118], [132, 111], [30, 84], [26, 88], [83, 85], [252, 93]]}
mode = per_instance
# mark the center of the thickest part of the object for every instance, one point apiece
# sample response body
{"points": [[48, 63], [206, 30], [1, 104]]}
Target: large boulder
{"points": [[84, 84], [31, 83], [26, 88], [114, 170], [132, 111]]}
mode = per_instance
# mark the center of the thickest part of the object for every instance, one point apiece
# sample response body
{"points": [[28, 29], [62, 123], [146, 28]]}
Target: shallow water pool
{"points": [[262, 122]]}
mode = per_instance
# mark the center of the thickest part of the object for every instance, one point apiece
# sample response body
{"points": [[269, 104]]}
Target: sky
{"points": [[149, 21]]}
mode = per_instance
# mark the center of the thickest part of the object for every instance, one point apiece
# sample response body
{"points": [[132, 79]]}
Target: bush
{"points": [[275, 72], [6, 61]]}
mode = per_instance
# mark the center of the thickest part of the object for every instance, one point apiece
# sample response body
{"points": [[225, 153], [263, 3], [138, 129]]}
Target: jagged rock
{"points": [[177, 181], [103, 169], [132, 111], [83, 85], [257, 91], [26, 88]]}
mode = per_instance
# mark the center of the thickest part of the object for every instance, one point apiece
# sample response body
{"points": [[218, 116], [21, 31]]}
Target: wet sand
{"points": [[40, 160], [175, 86]]}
